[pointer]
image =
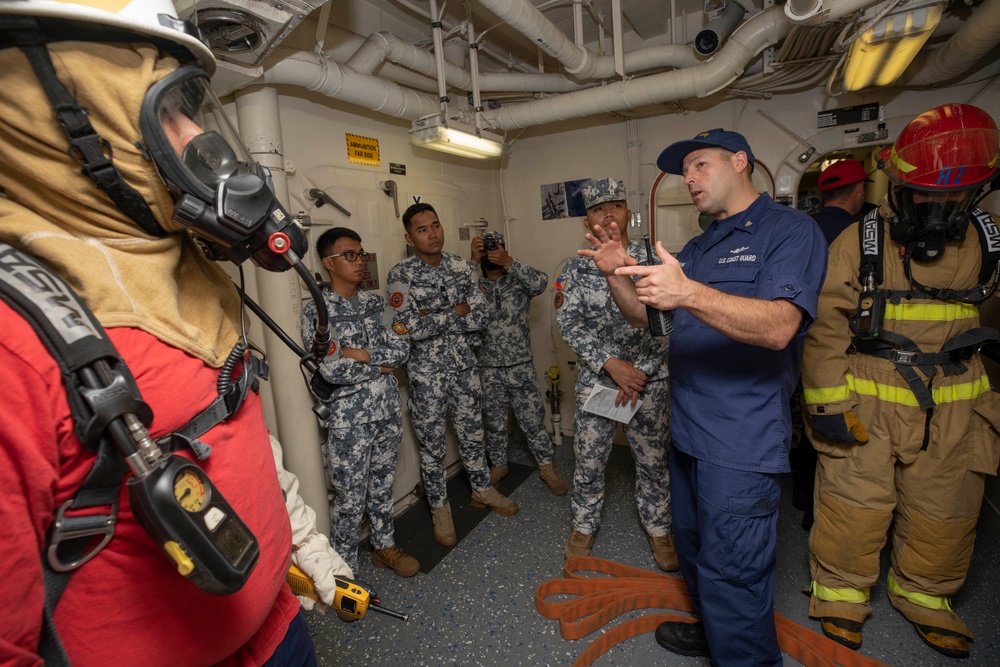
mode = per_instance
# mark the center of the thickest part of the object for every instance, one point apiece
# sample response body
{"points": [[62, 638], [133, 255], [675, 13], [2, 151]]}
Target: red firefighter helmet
{"points": [[952, 147]]}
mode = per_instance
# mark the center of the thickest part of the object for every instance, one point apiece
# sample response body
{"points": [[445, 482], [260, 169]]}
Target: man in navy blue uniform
{"points": [[842, 187], [743, 294]]}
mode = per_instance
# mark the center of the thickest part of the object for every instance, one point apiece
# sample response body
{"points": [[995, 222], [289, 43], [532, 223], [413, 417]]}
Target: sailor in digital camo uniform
{"points": [[440, 308], [506, 370], [365, 425], [615, 354]]}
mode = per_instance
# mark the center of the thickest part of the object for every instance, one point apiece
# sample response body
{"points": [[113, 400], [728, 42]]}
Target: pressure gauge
{"points": [[190, 519], [190, 490]]}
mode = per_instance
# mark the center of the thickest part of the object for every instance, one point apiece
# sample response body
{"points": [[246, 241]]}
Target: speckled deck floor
{"points": [[476, 608]]}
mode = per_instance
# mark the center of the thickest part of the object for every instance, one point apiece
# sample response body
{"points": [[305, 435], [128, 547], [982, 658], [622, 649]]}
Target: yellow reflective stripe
{"points": [[900, 163], [823, 395], [919, 599], [964, 391], [852, 595], [930, 312], [904, 395]]}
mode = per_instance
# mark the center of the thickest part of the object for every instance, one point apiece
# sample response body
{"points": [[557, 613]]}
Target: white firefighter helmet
{"points": [[152, 18]]}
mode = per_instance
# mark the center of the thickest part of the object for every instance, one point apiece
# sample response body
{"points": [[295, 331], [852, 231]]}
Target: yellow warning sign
{"points": [[362, 150]]}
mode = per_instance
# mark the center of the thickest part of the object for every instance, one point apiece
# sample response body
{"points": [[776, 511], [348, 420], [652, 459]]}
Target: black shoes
{"points": [[683, 638]]}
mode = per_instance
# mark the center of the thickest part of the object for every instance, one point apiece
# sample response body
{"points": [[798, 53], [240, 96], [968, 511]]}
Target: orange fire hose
{"points": [[600, 599]]}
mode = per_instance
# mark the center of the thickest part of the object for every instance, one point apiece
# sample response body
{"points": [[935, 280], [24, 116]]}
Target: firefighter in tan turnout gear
{"points": [[899, 405]]}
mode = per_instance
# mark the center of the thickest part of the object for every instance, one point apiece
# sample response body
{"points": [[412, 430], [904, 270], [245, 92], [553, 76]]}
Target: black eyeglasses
{"points": [[350, 255]]}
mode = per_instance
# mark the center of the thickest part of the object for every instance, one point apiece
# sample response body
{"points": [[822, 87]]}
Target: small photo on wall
{"points": [[563, 200]]}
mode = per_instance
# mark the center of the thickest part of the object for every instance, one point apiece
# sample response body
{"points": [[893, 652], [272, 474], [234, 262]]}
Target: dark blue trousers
{"points": [[725, 530], [296, 649]]}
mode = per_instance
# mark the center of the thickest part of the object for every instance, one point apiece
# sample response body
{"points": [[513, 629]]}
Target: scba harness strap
{"points": [[100, 391], [872, 339]]}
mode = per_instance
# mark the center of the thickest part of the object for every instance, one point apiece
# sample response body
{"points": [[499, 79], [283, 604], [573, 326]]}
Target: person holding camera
{"points": [[506, 370]]}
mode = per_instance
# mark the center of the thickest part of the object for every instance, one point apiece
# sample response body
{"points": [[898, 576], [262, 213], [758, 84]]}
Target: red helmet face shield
{"points": [[952, 147], [938, 165]]}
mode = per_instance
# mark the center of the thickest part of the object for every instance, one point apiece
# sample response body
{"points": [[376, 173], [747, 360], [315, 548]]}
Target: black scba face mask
{"points": [[221, 194], [928, 225]]}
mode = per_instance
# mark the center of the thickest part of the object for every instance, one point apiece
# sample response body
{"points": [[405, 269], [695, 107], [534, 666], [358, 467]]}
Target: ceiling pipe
{"points": [[523, 17], [382, 47], [757, 33], [314, 72], [975, 39], [760, 31], [814, 12]]}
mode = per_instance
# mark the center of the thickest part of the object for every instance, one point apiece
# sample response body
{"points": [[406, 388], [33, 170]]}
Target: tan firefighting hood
{"points": [[164, 286]]}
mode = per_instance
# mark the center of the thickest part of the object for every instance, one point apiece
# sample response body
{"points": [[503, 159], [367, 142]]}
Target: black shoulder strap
{"points": [[87, 148], [76, 341], [871, 239], [989, 243]]}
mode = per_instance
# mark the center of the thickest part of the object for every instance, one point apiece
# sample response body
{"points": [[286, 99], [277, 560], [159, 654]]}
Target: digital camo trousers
{"points": [[432, 399], [517, 386], [362, 461], [647, 435]]}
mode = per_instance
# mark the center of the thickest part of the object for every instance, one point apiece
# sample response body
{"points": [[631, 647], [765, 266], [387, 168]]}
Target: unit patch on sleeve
{"points": [[398, 292], [400, 328], [558, 300]]}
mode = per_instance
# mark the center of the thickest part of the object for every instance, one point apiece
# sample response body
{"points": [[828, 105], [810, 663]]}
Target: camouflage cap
{"points": [[603, 190]]}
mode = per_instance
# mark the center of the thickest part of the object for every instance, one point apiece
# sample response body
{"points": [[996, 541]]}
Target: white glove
{"points": [[311, 551]]}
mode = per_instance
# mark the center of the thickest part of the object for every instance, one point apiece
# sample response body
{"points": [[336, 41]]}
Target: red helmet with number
{"points": [[952, 147], [938, 166]]}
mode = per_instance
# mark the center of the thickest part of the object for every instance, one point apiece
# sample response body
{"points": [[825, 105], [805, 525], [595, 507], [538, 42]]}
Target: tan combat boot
{"points": [[495, 500], [496, 474], [552, 479], [444, 529], [664, 553], [396, 560], [578, 544]]}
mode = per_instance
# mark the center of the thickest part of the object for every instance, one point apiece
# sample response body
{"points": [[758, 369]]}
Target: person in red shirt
{"points": [[129, 85]]}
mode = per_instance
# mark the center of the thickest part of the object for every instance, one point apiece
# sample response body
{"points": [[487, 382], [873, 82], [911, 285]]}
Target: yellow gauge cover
{"points": [[190, 491]]}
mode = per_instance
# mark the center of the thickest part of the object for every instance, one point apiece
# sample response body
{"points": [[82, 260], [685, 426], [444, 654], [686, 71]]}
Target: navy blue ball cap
{"points": [[671, 160]]}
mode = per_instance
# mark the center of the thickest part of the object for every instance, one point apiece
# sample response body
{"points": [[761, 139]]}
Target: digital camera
{"points": [[491, 240]]}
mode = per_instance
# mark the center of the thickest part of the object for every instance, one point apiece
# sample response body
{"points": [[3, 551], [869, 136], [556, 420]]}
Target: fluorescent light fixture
{"points": [[880, 55], [441, 134]]}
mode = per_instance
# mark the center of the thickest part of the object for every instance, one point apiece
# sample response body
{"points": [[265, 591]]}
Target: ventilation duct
{"points": [[244, 32]]}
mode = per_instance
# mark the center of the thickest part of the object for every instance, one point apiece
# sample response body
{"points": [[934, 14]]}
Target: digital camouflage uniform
{"points": [[505, 363], [366, 422], [442, 365], [594, 327]]}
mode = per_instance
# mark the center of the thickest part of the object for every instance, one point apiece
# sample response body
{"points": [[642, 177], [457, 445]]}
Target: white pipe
{"points": [[439, 56], [760, 31], [477, 104], [523, 17], [979, 35], [578, 22], [278, 294], [318, 74], [814, 12], [381, 47]]}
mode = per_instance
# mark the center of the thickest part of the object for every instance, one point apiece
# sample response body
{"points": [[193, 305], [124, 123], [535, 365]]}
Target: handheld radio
{"points": [[661, 322]]}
